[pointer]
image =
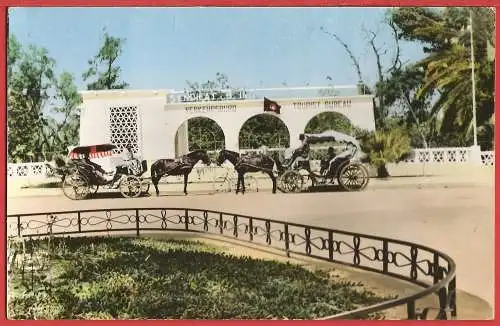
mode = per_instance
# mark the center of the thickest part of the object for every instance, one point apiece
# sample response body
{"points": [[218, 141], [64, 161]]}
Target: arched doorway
{"points": [[264, 130], [199, 133], [329, 121]]}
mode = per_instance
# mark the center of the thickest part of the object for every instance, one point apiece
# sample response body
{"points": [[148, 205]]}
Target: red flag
{"points": [[271, 106]]}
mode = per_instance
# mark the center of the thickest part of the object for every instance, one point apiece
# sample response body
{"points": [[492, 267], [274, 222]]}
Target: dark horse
{"points": [[184, 166], [249, 163]]}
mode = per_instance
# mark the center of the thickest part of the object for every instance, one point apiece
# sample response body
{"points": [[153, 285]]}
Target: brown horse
{"points": [[248, 163], [183, 166]]}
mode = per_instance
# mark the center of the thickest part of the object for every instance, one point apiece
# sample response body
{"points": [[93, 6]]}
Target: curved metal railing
{"points": [[428, 268]]}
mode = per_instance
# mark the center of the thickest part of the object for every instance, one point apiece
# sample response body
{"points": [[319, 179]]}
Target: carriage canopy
{"points": [[332, 135], [93, 151]]}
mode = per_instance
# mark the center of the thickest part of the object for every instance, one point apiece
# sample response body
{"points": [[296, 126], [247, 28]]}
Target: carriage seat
{"points": [[336, 161]]}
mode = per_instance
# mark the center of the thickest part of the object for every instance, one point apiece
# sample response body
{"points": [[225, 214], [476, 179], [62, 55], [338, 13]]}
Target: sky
{"points": [[254, 47]]}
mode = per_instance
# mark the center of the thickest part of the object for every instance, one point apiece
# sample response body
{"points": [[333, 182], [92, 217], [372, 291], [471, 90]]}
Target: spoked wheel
{"points": [[353, 177], [291, 181], [93, 189], [75, 186], [131, 186]]}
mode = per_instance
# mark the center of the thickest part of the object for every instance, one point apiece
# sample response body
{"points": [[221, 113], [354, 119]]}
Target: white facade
{"points": [[148, 121]]}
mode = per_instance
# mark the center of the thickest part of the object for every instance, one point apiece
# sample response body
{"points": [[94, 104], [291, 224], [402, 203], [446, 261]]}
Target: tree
{"points": [[401, 89], [445, 38], [103, 65], [65, 131], [380, 107], [42, 109], [31, 78]]}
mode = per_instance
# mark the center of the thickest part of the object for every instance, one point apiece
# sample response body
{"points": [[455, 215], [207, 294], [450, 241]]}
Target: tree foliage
{"points": [[329, 121], [264, 130], [204, 133], [42, 107], [104, 71], [445, 37]]}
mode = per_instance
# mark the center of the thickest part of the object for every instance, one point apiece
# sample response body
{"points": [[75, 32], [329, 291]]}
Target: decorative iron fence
{"points": [[428, 268]]}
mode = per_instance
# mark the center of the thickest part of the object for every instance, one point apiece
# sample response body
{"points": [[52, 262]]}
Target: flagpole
{"points": [[473, 78]]}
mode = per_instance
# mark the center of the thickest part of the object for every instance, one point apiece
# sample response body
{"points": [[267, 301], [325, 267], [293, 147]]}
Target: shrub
{"points": [[383, 147]]}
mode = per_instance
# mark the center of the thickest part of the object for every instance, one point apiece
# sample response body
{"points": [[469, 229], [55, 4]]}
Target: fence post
{"points": [[250, 226], [287, 241], [186, 219], [79, 222], [385, 253], [221, 227], [137, 221], [18, 225], [411, 311], [330, 245]]}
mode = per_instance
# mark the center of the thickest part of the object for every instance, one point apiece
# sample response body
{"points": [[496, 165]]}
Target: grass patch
{"points": [[144, 278]]}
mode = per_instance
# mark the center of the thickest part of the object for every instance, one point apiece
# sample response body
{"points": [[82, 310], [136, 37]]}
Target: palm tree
{"points": [[384, 147], [446, 39]]}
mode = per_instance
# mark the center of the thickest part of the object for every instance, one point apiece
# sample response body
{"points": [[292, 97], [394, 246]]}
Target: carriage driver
{"points": [[301, 153], [130, 161]]}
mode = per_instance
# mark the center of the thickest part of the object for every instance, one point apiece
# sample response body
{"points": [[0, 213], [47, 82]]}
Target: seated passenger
{"points": [[130, 162], [99, 171], [325, 164], [336, 160]]}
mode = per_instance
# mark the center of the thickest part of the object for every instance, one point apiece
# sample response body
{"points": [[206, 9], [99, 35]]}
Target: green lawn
{"points": [[145, 278]]}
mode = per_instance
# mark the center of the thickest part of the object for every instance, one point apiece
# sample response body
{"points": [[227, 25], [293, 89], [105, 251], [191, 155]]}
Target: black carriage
{"points": [[344, 169], [81, 178]]}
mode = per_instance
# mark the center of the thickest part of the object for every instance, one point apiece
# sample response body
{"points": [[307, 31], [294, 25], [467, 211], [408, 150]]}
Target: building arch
{"points": [[329, 120], [264, 129], [199, 132]]}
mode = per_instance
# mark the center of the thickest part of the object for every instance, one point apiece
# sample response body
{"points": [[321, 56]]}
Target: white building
{"points": [[150, 119]]}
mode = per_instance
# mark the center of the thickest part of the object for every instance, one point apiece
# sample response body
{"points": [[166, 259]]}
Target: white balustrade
{"points": [[449, 155], [27, 170], [488, 158]]}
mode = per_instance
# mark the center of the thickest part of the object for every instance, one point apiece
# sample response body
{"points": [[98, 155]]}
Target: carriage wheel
{"points": [[353, 177], [131, 186], [75, 186], [93, 189], [291, 181]]}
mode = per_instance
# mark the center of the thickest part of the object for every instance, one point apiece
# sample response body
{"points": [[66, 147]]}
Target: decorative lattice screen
{"points": [[124, 127]]}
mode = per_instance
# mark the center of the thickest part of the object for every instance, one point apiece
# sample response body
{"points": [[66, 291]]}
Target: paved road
{"points": [[458, 221]]}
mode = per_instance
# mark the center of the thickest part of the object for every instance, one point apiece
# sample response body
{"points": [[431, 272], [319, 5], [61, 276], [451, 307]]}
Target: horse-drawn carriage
{"points": [[344, 169], [82, 177]]}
